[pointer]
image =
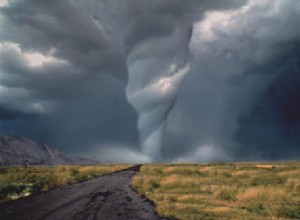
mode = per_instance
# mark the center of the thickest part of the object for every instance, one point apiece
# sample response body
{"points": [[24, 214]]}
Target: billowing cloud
{"points": [[243, 83], [80, 74]]}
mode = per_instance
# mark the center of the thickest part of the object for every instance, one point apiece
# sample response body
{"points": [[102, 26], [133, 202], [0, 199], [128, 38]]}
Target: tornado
{"points": [[152, 37], [156, 69]]}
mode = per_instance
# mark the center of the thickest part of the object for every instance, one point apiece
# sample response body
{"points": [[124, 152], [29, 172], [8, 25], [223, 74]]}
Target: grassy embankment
{"points": [[223, 191], [16, 182]]}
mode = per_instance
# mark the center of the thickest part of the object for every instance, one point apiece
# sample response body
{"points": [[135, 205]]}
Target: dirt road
{"points": [[108, 197]]}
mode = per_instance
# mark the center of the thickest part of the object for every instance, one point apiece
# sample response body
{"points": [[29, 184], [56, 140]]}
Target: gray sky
{"points": [[64, 71]]}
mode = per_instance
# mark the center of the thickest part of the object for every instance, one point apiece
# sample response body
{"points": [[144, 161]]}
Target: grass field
{"points": [[223, 191], [16, 182]]}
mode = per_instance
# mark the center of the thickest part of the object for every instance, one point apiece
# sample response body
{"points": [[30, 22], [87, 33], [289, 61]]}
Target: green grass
{"points": [[16, 182], [223, 191]]}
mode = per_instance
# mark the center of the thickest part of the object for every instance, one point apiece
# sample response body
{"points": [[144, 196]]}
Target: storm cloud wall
{"points": [[104, 77]]}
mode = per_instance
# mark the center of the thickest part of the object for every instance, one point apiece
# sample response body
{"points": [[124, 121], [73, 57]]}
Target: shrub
{"points": [[172, 199], [288, 212], [226, 174], [52, 181], [38, 185], [80, 177], [154, 184], [11, 189], [258, 209], [293, 185], [74, 172], [268, 180], [228, 194]]}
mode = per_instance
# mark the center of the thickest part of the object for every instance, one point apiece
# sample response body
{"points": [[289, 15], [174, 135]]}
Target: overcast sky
{"points": [[65, 65]]}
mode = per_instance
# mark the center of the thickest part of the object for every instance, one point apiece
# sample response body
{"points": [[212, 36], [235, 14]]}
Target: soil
{"points": [[109, 197]]}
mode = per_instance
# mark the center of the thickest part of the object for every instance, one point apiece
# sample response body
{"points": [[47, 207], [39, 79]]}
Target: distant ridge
{"points": [[16, 151]]}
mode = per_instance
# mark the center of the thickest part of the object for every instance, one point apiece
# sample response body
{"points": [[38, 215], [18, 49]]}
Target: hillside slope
{"points": [[22, 151]]}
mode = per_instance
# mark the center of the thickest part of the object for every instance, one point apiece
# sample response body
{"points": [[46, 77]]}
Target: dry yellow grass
{"points": [[223, 191], [263, 193], [16, 182], [219, 209]]}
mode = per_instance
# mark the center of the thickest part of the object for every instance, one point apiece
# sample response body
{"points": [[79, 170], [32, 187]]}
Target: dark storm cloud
{"points": [[241, 96], [79, 44], [243, 79], [75, 107], [41, 26], [271, 129], [7, 114]]}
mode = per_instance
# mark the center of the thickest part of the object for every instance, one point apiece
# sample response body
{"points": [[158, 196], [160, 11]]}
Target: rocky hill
{"points": [[24, 151]]}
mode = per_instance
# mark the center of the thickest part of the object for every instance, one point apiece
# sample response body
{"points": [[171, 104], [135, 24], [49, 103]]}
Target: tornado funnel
{"points": [[154, 80]]}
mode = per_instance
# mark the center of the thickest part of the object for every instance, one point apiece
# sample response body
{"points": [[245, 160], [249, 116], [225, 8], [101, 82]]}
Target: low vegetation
{"points": [[223, 191], [16, 182]]}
